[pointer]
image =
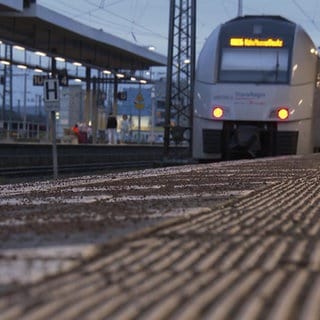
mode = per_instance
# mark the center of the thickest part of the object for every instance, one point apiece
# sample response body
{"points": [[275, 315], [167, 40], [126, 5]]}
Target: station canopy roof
{"points": [[26, 23]]}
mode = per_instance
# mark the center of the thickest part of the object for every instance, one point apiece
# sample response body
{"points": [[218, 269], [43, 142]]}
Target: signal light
{"points": [[283, 113], [217, 112]]}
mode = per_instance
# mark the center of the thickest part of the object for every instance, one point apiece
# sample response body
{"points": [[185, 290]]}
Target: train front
{"points": [[254, 90]]}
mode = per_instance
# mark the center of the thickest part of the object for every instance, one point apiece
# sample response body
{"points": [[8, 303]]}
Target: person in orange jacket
{"points": [[75, 130]]}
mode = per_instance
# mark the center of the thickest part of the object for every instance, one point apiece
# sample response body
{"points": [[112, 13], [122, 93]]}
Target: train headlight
{"points": [[217, 112], [283, 113]]}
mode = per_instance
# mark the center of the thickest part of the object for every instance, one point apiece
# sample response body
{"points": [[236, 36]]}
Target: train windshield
{"points": [[258, 65]]}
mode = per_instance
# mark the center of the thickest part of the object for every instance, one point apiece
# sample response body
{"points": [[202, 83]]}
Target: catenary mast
{"points": [[180, 74]]}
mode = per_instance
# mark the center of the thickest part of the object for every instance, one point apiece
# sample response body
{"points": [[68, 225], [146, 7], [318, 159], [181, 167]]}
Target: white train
{"points": [[256, 80]]}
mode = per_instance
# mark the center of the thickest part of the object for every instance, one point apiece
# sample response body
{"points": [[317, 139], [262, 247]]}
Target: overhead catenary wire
{"points": [[92, 17], [300, 8], [130, 19]]}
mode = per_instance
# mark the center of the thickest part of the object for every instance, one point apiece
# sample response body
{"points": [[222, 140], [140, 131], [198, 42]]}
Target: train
{"points": [[256, 91]]}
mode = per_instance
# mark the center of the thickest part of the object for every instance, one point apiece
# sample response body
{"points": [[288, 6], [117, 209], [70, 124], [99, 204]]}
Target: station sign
{"points": [[122, 95], [52, 106], [51, 90], [51, 94], [63, 78], [38, 79]]}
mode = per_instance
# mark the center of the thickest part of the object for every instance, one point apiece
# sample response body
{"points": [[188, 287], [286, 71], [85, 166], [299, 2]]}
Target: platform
{"points": [[229, 240]]}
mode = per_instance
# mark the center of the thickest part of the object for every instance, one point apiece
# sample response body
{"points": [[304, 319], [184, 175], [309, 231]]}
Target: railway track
{"points": [[35, 160]]}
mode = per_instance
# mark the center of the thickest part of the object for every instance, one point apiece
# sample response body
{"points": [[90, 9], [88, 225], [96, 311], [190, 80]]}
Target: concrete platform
{"points": [[231, 240]]}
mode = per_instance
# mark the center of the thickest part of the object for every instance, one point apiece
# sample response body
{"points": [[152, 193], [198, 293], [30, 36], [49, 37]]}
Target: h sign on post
{"points": [[51, 90], [51, 94]]}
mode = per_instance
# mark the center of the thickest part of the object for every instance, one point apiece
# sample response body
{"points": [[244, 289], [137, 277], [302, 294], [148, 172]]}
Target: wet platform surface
{"points": [[231, 240]]}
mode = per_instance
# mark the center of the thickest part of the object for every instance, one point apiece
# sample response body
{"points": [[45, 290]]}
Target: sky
{"points": [[145, 22]]}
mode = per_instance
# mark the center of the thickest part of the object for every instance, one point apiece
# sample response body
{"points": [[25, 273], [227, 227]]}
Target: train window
{"points": [[262, 65]]}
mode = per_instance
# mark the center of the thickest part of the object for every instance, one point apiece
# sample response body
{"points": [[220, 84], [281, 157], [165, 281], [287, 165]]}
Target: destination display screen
{"points": [[256, 42]]}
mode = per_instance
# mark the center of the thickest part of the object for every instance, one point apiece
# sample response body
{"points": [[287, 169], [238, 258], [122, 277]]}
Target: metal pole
{"points": [[139, 127], [11, 86], [153, 113], [240, 8], [88, 99], [115, 96], [54, 145], [4, 112], [94, 110], [169, 80], [53, 129], [25, 104], [192, 69]]}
